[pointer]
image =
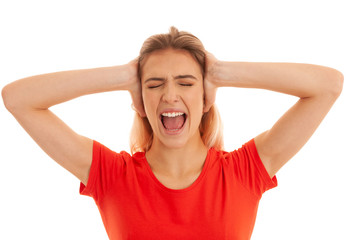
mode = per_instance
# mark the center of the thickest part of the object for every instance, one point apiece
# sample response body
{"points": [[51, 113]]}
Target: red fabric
{"points": [[221, 204]]}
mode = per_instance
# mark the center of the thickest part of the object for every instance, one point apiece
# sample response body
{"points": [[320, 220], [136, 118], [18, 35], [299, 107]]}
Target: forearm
{"points": [[302, 80], [44, 91]]}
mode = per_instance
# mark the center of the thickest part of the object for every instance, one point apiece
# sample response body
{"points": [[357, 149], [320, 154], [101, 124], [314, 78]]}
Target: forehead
{"points": [[170, 61]]}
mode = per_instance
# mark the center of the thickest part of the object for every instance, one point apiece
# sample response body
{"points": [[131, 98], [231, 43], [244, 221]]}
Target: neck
{"points": [[177, 162]]}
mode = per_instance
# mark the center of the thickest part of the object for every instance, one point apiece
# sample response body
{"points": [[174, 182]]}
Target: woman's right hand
{"points": [[134, 87], [29, 100]]}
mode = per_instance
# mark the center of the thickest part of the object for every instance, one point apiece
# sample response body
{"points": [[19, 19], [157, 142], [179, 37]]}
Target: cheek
{"points": [[197, 98], [146, 97], [150, 104], [195, 103]]}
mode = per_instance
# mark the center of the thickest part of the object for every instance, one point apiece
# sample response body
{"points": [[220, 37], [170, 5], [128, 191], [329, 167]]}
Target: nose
{"points": [[170, 94]]}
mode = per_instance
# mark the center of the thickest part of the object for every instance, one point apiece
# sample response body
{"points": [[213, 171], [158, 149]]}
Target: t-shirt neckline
{"points": [[177, 191]]}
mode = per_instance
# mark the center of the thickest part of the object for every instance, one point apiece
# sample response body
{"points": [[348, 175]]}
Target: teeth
{"points": [[173, 114]]}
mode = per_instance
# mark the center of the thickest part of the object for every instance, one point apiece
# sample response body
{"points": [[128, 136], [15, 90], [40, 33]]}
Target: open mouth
{"points": [[173, 121]]}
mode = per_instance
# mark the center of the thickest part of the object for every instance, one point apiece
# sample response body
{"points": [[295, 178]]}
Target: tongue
{"points": [[172, 123]]}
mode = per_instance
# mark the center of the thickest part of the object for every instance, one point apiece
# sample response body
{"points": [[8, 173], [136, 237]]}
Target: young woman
{"points": [[178, 183]]}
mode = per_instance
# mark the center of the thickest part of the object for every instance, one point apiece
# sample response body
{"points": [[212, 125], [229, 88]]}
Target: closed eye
{"points": [[154, 86], [186, 84]]}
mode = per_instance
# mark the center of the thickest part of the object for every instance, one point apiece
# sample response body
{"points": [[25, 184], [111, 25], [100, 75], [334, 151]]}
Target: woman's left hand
{"points": [[210, 78]]}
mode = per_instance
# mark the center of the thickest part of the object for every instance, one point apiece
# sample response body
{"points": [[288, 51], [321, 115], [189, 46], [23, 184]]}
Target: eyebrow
{"points": [[177, 77]]}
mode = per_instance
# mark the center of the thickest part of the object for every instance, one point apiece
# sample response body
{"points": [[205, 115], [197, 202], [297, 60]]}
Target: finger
{"points": [[138, 104], [208, 103], [210, 97], [206, 108]]}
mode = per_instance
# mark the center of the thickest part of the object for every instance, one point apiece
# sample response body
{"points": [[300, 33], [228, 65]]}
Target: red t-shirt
{"points": [[221, 204]]}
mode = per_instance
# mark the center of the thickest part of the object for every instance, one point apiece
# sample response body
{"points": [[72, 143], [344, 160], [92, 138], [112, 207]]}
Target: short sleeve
{"points": [[250, 169], [105, 166]]}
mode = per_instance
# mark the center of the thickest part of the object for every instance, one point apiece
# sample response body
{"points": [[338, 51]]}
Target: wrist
{"points": [[126, 76], [218, 74], [230, 74]]}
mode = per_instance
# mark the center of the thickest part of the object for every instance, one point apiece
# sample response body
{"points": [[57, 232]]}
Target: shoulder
{"points": [[102, 150], [246, 150], [108, 167], [105, 156], [246, 166]]}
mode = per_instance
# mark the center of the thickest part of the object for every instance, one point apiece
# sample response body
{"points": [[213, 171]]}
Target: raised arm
{"points": [[316, 86], [29, 100]]}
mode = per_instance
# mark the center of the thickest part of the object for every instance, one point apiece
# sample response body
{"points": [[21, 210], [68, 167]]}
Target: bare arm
{"points": [[317, 87], [29, 100]]}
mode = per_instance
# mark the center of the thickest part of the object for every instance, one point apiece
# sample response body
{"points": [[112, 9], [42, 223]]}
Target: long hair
{"points": [[211, 132]]}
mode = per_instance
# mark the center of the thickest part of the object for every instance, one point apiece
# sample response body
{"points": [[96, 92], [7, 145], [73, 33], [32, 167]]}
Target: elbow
{"points": [[9, 98], [6, 96], [332, 83], [17, 99], [337, 83], [327, 82]]}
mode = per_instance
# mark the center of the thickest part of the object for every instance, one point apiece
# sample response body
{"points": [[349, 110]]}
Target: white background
{"points": [[318, 192]]}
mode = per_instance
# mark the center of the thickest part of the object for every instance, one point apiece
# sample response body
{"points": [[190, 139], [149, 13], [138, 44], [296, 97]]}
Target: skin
{"points": [[317, 88], [172, 79]]}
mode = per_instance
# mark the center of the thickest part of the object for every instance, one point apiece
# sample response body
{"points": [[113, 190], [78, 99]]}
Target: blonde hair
{"points": [[211, 132]]}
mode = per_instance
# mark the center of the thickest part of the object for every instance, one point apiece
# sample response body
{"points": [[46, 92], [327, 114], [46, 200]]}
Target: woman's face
{"points": [[172, 88]]}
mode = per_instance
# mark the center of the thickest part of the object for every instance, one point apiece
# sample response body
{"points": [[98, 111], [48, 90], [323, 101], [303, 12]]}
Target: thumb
{"points": [[209, 100], [138, 104]]}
